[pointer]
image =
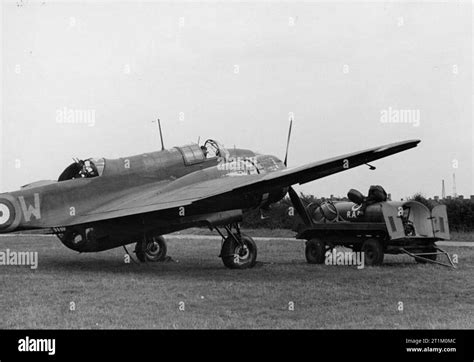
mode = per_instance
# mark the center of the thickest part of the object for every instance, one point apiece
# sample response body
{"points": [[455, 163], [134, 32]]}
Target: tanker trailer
{"points": [[375, 226]]}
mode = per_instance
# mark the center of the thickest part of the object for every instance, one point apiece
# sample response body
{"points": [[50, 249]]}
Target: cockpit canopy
{"points": [[90, 167], [192, 154], [213, 148]]}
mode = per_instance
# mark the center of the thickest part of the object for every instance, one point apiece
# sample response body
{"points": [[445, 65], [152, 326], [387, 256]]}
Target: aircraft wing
{"points": [[149, 199]]}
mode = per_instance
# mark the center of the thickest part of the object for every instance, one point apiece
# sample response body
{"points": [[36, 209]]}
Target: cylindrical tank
{"points": [[348, 211]]}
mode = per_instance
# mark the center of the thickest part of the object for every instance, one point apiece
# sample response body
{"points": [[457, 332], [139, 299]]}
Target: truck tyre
{"points": [[315, 251], [373, 252]]}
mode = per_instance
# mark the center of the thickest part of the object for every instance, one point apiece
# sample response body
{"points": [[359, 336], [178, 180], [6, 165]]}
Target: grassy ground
{"points": [[109, 293], [462, 236], [279, 233], [286, 233]]}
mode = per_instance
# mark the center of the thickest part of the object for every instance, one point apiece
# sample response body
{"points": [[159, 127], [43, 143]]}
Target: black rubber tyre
{"points": [[236, 256], [151, 249], [429, 257], [315, 251], [373, 252]]}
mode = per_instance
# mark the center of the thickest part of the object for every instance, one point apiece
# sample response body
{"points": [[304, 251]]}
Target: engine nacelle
{"points": [[271, 197]]}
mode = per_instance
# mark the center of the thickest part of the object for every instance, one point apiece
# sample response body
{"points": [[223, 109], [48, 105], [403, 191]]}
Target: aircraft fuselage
{"points": [[58, 203]]}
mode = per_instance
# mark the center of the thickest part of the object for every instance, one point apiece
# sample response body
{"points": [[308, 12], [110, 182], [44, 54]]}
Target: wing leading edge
{"points": [[149, 199]]}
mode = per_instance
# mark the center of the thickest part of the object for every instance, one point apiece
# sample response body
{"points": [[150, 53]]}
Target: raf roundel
{"points": [[9, 213], [4, 214]]}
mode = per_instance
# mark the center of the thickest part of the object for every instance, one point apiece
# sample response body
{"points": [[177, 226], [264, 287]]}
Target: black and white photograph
{"points": [[237, 165]]}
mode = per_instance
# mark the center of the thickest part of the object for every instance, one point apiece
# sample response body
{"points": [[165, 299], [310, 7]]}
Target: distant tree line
{"points": [[460, 211], [281, 215]]}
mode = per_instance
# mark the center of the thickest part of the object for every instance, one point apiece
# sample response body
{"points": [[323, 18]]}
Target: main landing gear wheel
{"points": [[151, 249], [373, 252], [315, 251], [240, 253]]}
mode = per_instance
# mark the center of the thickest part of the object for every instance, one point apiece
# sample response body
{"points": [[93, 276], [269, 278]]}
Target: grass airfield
{"points": [[195, 290]]}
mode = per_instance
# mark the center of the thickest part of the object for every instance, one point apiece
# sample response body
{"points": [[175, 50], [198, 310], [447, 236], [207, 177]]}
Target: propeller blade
{"points": [[288, 143], [296, 201]]}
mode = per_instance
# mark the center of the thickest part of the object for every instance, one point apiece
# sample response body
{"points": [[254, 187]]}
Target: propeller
{"points": [[299, 207], [288, 143], [295, 199]]}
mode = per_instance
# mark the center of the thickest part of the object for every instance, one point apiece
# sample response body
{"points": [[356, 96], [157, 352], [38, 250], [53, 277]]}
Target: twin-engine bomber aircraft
{"points": [[100, 204]]}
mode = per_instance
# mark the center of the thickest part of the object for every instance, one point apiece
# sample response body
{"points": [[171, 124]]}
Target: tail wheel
{"points": [[151, 249], [315, 251], [373, 252], [241, 255]]}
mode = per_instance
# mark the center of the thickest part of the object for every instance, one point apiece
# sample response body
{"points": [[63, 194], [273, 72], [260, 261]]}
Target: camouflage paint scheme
{"points": [[165, 191]]}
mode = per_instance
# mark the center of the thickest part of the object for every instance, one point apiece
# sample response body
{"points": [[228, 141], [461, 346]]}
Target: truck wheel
{"points": [[373, 252], [315, 251]]}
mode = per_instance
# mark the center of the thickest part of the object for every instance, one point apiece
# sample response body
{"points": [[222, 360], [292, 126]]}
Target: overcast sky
{"points": [[234, 72]]}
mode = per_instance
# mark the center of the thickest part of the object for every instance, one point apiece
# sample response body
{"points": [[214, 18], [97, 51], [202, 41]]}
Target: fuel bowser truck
{"points": [[375, 226]]}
